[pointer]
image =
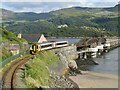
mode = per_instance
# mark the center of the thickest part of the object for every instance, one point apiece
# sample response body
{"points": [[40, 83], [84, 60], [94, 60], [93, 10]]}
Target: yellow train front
{"points": [[34, 49]]}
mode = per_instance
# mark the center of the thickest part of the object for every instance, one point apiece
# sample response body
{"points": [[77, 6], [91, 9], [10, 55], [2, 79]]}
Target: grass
{"points": [[22, 21], [4, 54], [10, 37], [37, 72], [8, 65]]}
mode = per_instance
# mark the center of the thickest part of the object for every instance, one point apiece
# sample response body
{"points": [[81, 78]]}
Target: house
{"points": [[19, 35], [13, 48], [39, 38], [60, 26], [14, 51]]}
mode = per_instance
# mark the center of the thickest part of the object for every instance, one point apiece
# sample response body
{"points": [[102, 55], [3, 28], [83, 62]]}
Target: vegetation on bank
{"points": [[4, 54], [37, 71], [8, 38]]}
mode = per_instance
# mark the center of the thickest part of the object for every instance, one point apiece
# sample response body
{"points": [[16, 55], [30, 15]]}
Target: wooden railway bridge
{"points": [[90, 47]]}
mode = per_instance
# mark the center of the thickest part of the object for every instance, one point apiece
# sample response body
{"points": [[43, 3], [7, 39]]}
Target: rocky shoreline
{"points": [[62, 81]]}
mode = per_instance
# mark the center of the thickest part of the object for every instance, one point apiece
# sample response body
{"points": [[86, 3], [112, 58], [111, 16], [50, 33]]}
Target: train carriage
{"points": [[61, 44], [45, 46], [35, 48]]}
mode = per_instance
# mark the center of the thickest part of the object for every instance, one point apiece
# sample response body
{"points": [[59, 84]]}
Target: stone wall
{"points": [[15, 48], [66, 54]]}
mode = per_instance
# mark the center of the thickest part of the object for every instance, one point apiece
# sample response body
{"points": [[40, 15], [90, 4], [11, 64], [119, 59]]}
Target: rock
{"points": [[61, 82], [96, 63], [21, 55], [66, 54], [44, 86], [72, 64]]}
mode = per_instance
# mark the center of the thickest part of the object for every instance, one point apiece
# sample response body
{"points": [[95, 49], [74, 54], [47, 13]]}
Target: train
{"points": [[35, 48]]}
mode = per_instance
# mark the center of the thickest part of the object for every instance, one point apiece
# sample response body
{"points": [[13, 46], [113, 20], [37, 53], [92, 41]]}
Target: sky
{"points": [[40, 6]]}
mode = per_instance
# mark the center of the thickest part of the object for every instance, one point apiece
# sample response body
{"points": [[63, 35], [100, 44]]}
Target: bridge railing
{"points": [[71, 44], [6, 61]]}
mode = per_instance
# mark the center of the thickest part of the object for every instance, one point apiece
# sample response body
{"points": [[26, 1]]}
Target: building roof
{"points": [[102, 40], [81, 42], [89, 41], [31, 37]]}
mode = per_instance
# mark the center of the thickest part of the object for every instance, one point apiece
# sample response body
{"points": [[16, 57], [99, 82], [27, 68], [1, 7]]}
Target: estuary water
{"points": [[70, 41], [108, 63]]}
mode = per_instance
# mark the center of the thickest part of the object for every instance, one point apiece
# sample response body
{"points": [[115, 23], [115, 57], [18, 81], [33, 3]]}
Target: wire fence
{"points": [[6, 61]]}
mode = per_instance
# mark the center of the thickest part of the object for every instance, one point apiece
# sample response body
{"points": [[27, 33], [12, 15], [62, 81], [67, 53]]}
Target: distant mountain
{"points": [[81, 21], [113, 9], [104, 18], [74, 11], [8, 15]]}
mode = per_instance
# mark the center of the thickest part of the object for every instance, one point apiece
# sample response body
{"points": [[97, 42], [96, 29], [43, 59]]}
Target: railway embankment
{"points": [[45, 71]]}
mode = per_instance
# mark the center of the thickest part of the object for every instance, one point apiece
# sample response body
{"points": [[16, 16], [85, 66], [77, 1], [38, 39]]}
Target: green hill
{"points": [[31, 27], [8, 15], [75, 17], [80, 11], [10, 37]]}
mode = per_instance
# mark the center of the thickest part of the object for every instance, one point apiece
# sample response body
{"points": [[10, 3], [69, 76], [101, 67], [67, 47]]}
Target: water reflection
{"points": [[69, 40], [108, 63]]}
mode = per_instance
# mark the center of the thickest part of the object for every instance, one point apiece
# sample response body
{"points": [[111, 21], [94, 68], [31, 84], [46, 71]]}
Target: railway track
{"points": [[9, 77]]}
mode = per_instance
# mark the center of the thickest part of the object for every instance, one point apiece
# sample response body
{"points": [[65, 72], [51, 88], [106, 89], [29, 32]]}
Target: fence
{"points": [[6, 61]]}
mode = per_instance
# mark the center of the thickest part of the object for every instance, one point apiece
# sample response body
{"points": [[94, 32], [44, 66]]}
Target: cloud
{"points": [[37, 6], [43, 6], [60, 0]]}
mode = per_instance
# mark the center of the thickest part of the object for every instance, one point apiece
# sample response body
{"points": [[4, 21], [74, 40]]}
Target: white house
{"points": [[42, 39], [60, 26]]}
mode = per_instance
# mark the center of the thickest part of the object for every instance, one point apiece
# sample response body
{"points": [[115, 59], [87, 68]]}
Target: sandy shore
{"points": [[95, 80]]}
